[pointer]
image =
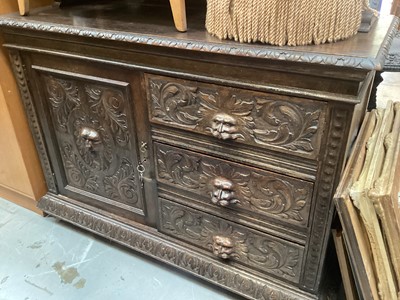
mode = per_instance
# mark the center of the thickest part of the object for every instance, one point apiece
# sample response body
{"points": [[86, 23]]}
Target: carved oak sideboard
{"points": [[217, 158]]}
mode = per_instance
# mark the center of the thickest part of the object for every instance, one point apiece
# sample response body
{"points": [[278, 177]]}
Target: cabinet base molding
{"points": [[157, 246]]}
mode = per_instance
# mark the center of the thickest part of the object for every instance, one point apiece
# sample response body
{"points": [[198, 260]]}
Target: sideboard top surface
{"points": [[144, 23]]}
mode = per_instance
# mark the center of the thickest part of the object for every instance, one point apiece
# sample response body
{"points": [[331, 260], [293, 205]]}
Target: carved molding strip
{"points": [[253, 118], [392, 62], [267, 194], [152, 244], [229, 240], [312, 268], [18, 69], [236, 49]]}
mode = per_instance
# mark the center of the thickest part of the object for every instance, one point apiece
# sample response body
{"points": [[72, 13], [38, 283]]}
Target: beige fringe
{"points": [[284, 22]]}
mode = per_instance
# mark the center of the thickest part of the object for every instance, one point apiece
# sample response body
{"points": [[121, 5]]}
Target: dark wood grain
{"points": [[133, 121]]}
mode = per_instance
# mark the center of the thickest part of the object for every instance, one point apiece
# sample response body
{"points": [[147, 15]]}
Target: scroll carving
{"points": [[231, 241], [63, 98], [109, 105], [122, 185], [257, 191], [286, 125], [77, 173], [232, 114], [92, 129]]}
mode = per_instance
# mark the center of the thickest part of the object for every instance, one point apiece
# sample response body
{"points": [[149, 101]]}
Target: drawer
{"points": [[235, 244], [280, 123], [230, 187], [91, 120]]}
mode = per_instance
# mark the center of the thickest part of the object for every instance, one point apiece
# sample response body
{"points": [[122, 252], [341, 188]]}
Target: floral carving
{"points": [[261, 192], [229, 241], [122, 185], [233, 114], [284, 124], [63, 98], [92, 130], [77, 173], [109, 105], [175, 103]]}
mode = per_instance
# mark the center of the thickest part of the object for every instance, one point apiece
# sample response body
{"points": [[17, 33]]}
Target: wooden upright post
{"points": [[179, 13]]}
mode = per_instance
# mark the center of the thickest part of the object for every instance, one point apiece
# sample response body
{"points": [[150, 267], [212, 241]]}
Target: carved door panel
{"points": [[95, 139]]}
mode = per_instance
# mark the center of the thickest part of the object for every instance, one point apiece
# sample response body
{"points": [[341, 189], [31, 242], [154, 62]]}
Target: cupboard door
{"points": [[95, 144]]}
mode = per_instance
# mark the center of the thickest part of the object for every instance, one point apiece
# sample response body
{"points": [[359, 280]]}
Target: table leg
{"points": [[23, 6], [179, 13]]}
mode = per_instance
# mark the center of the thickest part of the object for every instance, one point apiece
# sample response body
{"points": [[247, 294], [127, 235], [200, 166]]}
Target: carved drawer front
{"points": [[228, 185], [233, 243], [282, 123], [93, 125]]}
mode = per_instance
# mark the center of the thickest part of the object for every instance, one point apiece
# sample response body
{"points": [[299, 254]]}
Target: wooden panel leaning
{"points": [[371, 183], [354, 233], [359, 194], [384, 193]]}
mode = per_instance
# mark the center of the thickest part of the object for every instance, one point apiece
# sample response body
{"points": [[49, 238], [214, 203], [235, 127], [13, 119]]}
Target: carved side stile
{"points": [[34, 125], [335, 142]]}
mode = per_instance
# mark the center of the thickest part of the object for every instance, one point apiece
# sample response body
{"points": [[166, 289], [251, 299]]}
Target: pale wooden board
{"points": [[353, 232], [359, 194], [178, 8], [384, 192], [345, 269]]}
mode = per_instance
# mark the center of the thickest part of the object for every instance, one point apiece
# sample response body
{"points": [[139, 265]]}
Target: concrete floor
{"points": [[389, 89], [43, 258]]}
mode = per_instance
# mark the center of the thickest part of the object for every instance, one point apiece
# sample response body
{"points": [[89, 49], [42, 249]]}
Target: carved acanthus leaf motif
{"points": [[77, 173], [278, 196], [284, 260], [178, 168], [265, 194], [122, 185], [109, 105], [286, 125], [93, 135], [195, 107], [174, 102], [64, 97], [249, 117], [247, 247]]}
